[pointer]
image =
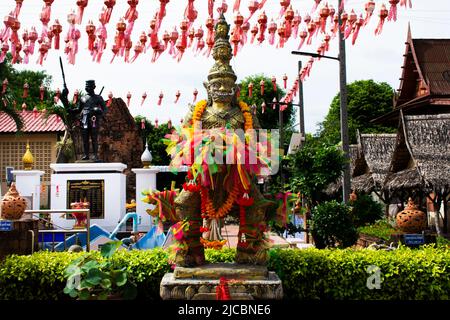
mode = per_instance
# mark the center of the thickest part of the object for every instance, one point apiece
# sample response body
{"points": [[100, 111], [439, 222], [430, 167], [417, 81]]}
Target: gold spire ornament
{"points": [[28, 159]]}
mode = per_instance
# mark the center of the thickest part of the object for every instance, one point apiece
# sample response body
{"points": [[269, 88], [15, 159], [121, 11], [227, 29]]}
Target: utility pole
{"points": [[301, 111], [280, 120], [343, 103]]}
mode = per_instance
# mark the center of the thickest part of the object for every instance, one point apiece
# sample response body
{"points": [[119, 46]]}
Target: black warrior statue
{"points": [[89, 111]]}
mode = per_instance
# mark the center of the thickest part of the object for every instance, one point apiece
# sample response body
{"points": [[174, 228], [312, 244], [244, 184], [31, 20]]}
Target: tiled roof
{"points": [[33, 122], [433, 56]]}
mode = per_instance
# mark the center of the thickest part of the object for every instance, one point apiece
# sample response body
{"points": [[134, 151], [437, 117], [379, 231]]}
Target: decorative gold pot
{"points": [[411, 219], [13, 205]]}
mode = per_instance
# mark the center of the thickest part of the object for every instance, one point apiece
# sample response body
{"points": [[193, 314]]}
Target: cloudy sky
{"points": [[372, 57]]}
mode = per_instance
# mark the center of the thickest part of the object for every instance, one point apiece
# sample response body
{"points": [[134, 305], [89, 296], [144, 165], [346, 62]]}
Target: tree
{"points": [[12, 99], [367, 100], [34, 79], [313, 167], [154, 138]]}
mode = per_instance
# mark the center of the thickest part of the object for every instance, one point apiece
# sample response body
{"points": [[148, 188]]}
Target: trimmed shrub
{"points": [[332, 225], [341, 274], [306, 274], [366, 210]]}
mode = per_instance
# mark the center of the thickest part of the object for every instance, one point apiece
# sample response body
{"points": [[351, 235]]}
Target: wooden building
{"points": [[42, 135], [420, 165], [425, 80]]}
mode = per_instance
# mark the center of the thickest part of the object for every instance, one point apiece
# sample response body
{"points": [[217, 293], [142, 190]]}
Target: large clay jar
{"points": [[411, 220], [13, 205]]}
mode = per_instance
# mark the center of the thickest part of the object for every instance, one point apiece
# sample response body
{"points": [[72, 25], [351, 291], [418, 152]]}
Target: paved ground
{"points": [[230, 232]]}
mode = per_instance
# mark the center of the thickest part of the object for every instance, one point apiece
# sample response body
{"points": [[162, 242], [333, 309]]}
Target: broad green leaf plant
{"points": [[92, 278]]}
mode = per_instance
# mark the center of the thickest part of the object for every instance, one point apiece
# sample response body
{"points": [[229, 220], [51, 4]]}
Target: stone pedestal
{"points": [[28, 183], [245, 283], [114, 190], [19, 240], [145, 180]]}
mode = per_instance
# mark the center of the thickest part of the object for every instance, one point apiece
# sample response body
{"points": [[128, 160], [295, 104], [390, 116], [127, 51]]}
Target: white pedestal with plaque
{"points": [[102, 183]]}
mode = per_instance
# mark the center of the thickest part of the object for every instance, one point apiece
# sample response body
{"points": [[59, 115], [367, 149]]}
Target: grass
{"points": [[382, 229]]}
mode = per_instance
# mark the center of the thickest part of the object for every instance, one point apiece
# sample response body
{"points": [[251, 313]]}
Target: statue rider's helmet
{"points": [[90, 86]]}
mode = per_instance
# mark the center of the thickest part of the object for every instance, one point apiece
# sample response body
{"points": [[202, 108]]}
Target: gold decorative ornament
{"points": [[28, 159], [13, 205], [411, 219]]}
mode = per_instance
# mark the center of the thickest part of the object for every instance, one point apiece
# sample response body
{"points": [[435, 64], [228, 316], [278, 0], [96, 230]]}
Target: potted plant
{"points": [[91, 278]]}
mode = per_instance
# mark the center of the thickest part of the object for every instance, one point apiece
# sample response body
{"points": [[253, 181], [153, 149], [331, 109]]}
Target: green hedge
{"points": [[342, 274], [306, 274]]}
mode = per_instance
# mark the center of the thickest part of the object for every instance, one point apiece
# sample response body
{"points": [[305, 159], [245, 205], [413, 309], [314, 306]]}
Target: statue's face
{"points": [[89, 89], [222, 90]]}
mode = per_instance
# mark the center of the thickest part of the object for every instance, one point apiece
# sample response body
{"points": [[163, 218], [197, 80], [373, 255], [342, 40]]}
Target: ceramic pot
{"points": [[411, 220], [13, 205]]}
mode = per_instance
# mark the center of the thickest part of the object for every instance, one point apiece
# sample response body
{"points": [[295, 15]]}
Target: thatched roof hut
{"points": [[369, 165], [377, 150], [421, 159]]}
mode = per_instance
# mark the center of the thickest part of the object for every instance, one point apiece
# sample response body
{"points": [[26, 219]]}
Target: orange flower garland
{"points": [[246, 112], [207, 203]]}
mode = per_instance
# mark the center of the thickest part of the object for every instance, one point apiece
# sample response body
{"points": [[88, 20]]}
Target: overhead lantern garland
{"points": [[279, 31]]}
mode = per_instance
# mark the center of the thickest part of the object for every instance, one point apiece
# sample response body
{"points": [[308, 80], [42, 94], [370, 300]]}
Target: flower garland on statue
{"points": [[208, 210]]}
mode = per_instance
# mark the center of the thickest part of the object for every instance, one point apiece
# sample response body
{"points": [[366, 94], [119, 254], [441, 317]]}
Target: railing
{"points": [[65, 231]]}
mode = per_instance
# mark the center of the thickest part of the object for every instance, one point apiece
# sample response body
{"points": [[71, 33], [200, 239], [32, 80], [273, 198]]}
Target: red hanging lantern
{"points": [[4, 86], [35, 112], [177, 96], [352, 18], [222, 8], [195, 95], [56, 30], [90, 30], [262, 21], [311, 29], [284, 5], [156, 123], [262, 84], [369, 7], [288, 18], [5, 49], [128, 99], [160, 97], [18, 7], [250, 89], [75, 96], [190, 13], [254, 32], [263, 107], [161, 13], [25, 90], [191, 36], [41, 92], [344, 18], [169, 124], [324, 13], [110, 97], [252, 7], [383, 15], [358, 24], [271, 29], [281, 35], [142, 124], [105, 16], [274, 83], [393, 10], [24, 107], [295, 24], [144, 96], [285, 81], [82, 4]]}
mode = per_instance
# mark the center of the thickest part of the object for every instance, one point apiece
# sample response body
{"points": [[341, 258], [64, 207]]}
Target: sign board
{"points": [[92, 191], [9, 175], [413, 239], [6, 225], [296, 141]]}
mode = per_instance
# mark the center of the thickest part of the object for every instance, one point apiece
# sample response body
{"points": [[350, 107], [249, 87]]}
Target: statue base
{"points": [[245, 282]]}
